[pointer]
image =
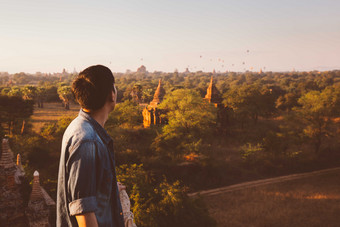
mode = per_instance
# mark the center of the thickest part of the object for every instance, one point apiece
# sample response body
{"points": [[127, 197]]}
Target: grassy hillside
{"points": [[312, 201]]}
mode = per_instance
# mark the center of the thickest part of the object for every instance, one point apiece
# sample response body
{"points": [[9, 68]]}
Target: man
{"points": [[87, 187]]}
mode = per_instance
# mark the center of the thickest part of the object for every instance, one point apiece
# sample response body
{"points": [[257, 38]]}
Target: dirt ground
{"points": [[51, 113], [313, 200]]}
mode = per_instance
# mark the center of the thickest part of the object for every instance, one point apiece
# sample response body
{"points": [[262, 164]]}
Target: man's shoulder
{"points": [[80, 130]]}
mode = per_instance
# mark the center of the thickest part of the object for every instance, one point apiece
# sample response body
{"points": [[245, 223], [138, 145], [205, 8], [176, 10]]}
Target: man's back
{"points": [[87, 179]]}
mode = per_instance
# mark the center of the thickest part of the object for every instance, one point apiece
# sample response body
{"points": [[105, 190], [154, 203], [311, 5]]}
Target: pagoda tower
{"points": [[151, 114], [6, 160], [213, 95], [159, 95], [11, 198], [40, 206], [36, 194], [13, 208]]}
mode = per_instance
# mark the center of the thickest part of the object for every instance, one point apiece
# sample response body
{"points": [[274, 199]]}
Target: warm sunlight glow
{"points": [[48, 36]]}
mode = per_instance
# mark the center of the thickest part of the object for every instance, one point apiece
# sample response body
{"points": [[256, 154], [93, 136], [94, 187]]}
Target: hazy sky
{"points": [[49, 35]]}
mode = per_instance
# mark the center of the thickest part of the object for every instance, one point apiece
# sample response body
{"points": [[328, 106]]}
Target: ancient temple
{"points": [[11, 200], [141, 69], [151, 114], [213, 95], [14, 210]]}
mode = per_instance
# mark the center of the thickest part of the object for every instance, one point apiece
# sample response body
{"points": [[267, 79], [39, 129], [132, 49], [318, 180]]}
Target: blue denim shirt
{"points": [[87, 177]]}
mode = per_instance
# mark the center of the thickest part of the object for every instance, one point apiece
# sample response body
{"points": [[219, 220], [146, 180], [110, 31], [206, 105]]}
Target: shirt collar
{"points": [[99, 129]]}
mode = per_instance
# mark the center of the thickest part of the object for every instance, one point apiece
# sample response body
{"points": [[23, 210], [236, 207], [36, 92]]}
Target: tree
{"points": [[287, 101], [52, 131], [316, 112], [41, 96], [162, 203], [126, 113], [14, 91], [137, 93], [51, 94], [5, 91], [29, 92], [14, 108], [3, 79], [250, 102], [191, 120], [21, 78], [65, 94]]}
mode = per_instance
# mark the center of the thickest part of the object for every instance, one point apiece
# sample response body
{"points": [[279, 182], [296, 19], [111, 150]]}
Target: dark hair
{"points": [[92, 86]]}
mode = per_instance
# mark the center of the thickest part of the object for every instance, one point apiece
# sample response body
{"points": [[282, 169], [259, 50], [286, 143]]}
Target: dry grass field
{"points": [[51, 113], [312, 201]]}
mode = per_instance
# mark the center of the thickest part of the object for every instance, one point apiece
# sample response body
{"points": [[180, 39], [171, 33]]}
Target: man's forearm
{"points": [[87, 220]]}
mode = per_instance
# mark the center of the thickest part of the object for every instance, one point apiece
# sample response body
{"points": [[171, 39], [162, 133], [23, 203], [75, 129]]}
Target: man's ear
{"points": [[112, 96]]}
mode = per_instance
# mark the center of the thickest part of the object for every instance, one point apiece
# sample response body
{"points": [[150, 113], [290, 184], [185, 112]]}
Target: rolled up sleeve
{"points": [[82, 179], [83, 205]]}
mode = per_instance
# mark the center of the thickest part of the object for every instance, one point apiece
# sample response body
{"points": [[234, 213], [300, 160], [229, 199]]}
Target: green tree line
{"points": [[273, 124]]}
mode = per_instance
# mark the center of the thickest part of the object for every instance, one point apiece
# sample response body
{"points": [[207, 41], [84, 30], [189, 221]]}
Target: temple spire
{"points": [[6, 160], [36, 190], [19, 160], [19, 165], [159, 94], [213, 95]]}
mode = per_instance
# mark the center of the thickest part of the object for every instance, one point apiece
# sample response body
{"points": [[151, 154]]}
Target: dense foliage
{"points": [[161, 204], [191, 121], [274, 124]]}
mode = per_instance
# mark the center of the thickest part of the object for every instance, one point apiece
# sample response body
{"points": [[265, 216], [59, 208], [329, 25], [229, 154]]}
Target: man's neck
{"points": [[100, 116]]}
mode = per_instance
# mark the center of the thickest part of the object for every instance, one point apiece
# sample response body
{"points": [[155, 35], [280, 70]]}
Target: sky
{"points": [[164, 35]]}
